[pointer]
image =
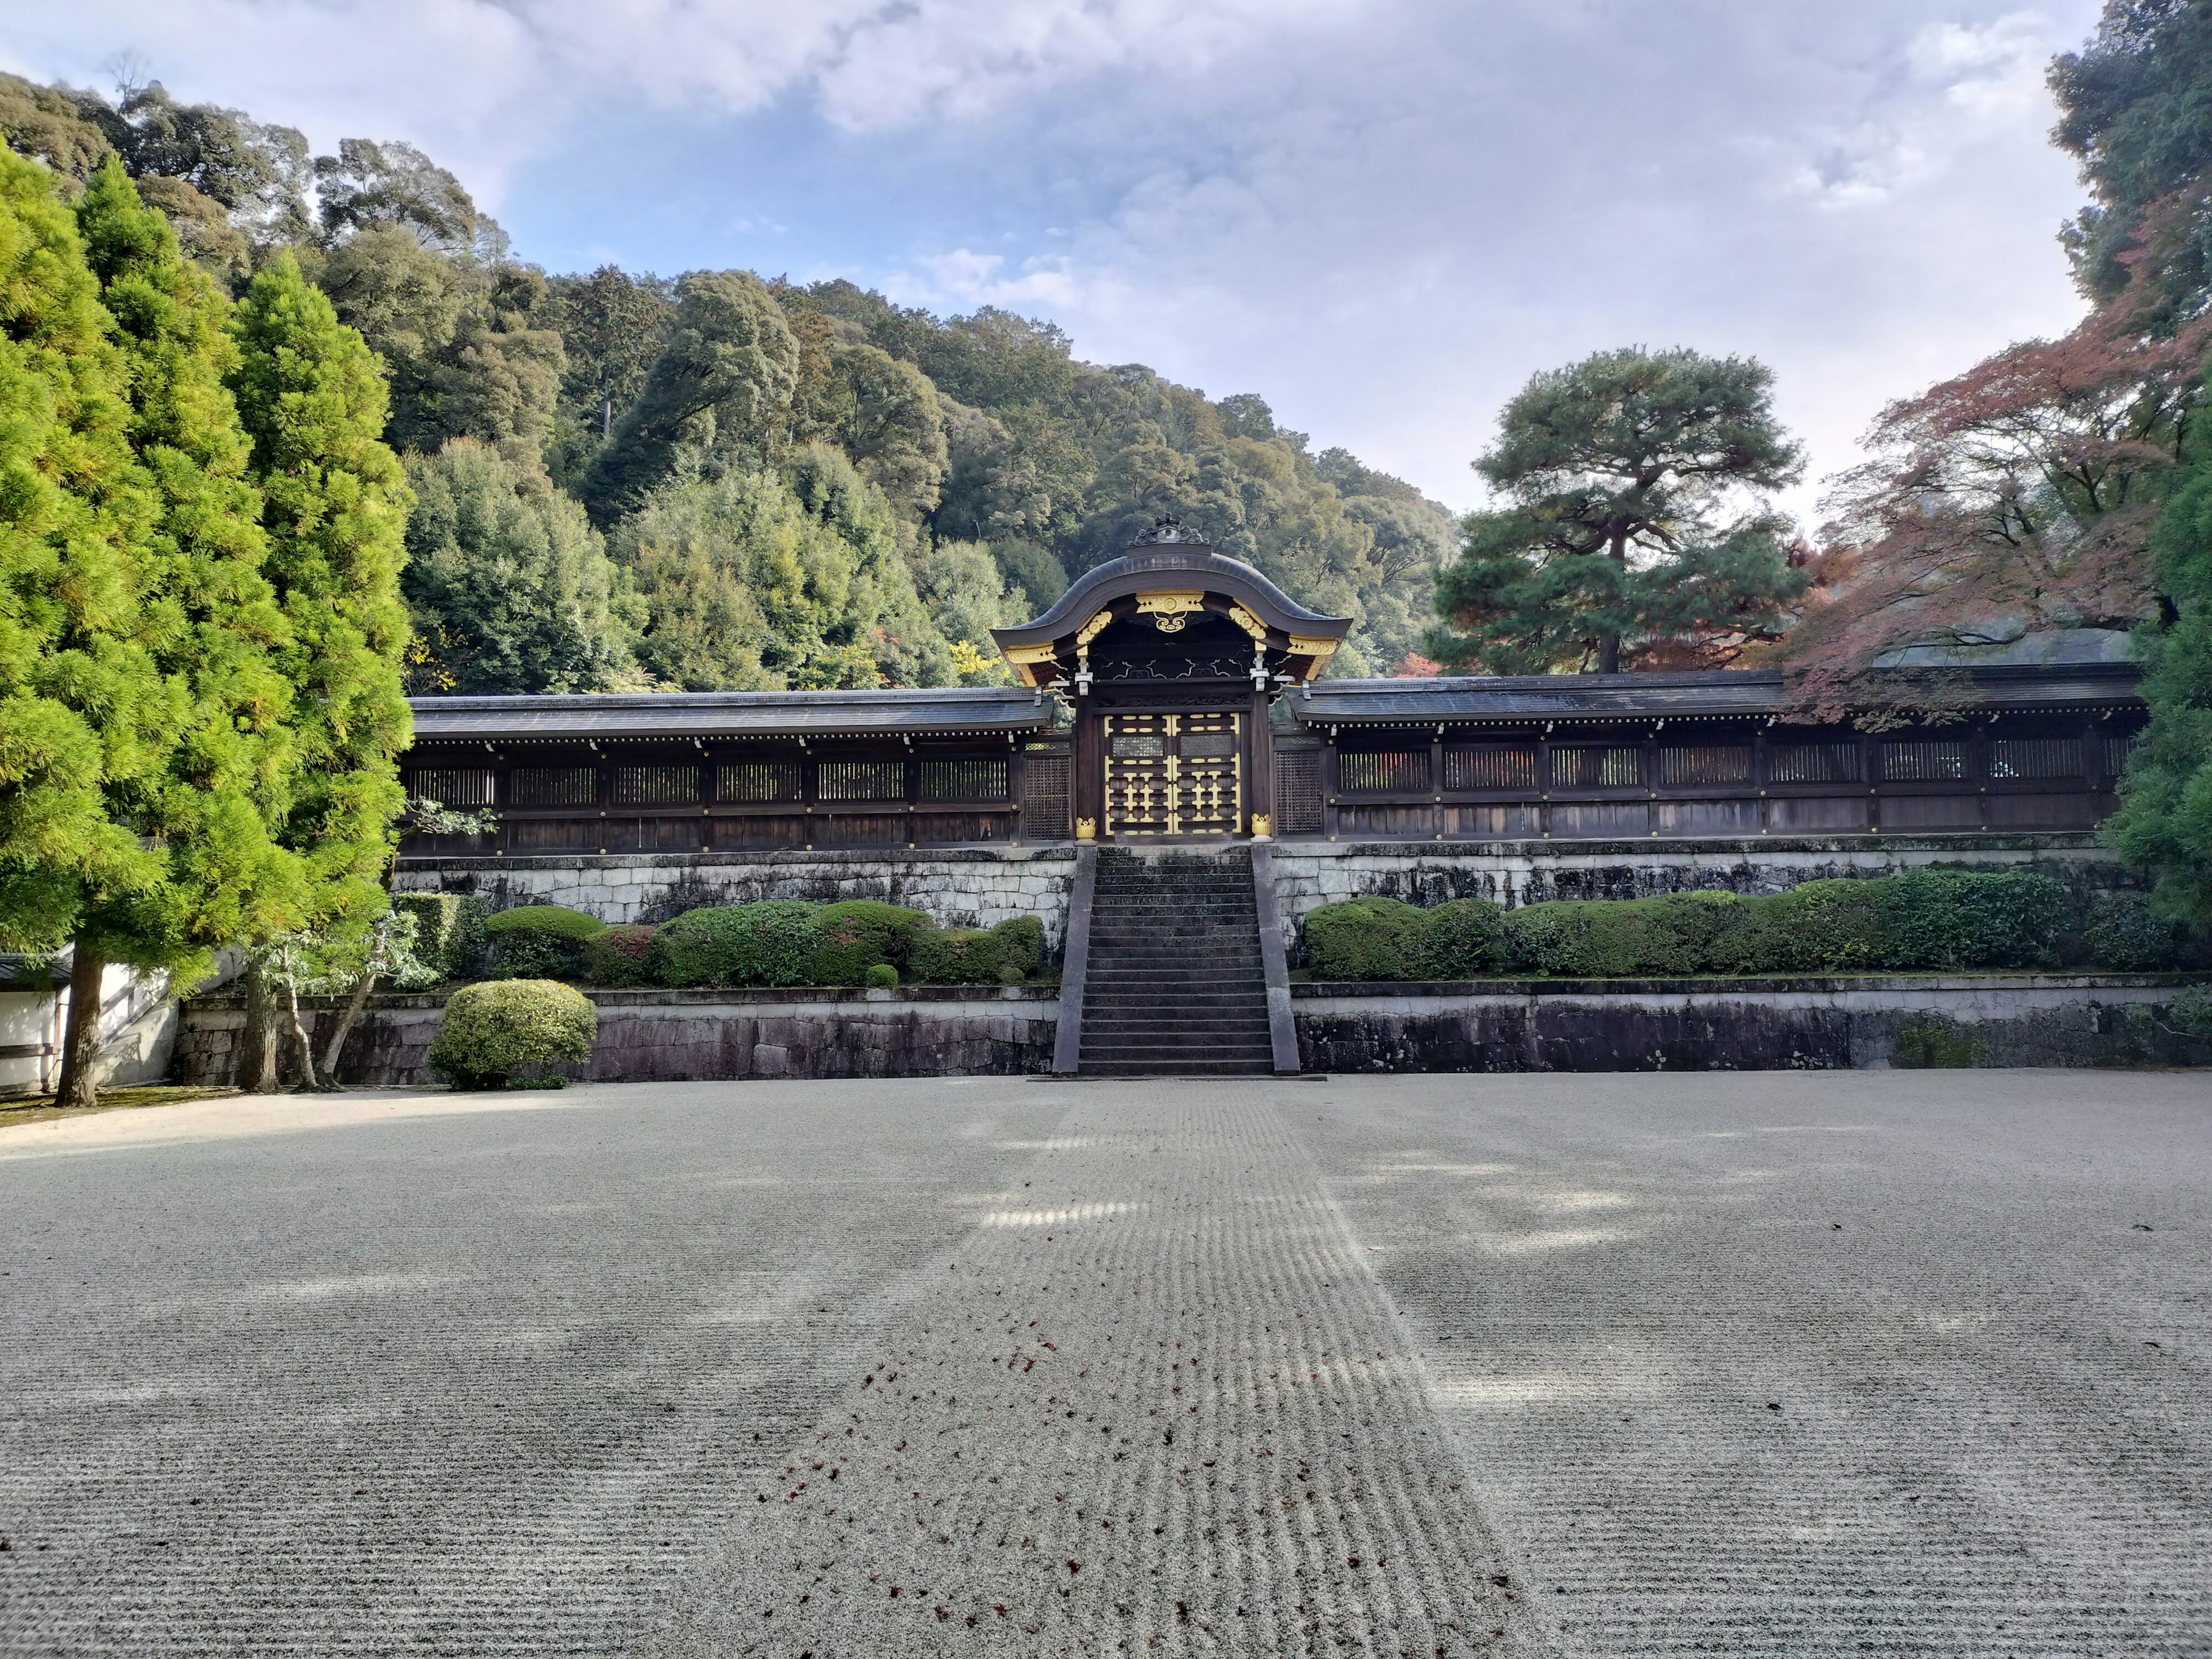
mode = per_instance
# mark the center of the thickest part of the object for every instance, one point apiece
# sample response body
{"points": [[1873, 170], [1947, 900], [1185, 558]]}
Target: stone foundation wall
{"points": [[1511, 873], [682, 1036], [1618, 1026], [964, 888]]}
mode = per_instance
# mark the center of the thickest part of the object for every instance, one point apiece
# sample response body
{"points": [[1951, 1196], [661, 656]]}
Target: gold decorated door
{"points": [[1174, 774]]}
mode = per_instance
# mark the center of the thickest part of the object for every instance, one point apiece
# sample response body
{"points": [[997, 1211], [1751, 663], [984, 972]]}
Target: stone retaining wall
{"points": [[1666, 1025], [1309, 874], [962, 887], [675, 1036]]}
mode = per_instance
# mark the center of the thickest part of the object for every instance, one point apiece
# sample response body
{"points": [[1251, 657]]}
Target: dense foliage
{"points": [[489, 1035], [1923, 921], [986, 466]]}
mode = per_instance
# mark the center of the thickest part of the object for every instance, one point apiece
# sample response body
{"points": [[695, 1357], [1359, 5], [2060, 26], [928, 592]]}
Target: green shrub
{"points": [[1463, 940], [540, 941], [1021, 938], [437, 927], [883, 977], [2190, 1013], [1620, 939], [958, 955], [2126, 935], [1938, 919], [491, 1032], [1816, 927], [1365, 938], [771, 943], [859, 934], [617, 955]]}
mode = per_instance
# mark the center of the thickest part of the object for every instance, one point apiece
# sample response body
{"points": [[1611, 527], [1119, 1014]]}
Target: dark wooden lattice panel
{"points": [[980, 779], [2034, 758], [861, 779], [554, 785], [1924, 760], [1704, 763], [1813, 762], [1297, 791], [1490, 766], [1593, 768], [2117, 751], [655, 786], [1382, 771], [759, 783], [1045, 815], [452, 786]]}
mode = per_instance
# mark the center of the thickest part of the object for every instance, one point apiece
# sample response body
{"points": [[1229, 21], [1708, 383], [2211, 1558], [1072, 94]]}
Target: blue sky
{"points": [[1382, 214]]}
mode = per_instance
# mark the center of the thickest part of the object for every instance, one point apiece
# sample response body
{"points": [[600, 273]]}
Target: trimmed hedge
{"points": [[540, 941], [1922, 920], [2125, 931], [437, 928], [616, 956], [859, 935], [771, 943], [492, 1032]]}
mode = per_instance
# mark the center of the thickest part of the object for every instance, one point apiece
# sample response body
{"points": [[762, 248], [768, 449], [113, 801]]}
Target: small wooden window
{"points": [[1595, 768], [1139, 745], [1297, 791], [1924, 760], [1490, 766], [861, 780], [554, 785], [1365, 771]]}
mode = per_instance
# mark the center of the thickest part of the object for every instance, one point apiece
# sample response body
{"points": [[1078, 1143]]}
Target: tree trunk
{"points": [[607, 416], [256, 1041], [1608, 645], [80, 1082], [347, 1016], [298, 1029]]}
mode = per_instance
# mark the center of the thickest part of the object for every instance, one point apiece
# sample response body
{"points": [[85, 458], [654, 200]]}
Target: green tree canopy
{"points": [[2165, 821], [511, 587], [611, 326], [336, 502], [722, 384], [1617, 476]]}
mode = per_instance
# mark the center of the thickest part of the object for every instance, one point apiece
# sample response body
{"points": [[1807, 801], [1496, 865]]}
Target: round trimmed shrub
{"points": [[540, 941], [883, 977], [774, 942], [617, 955], [496, 1031]]}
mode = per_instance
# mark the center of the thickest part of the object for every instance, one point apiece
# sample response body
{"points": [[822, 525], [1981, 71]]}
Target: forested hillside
{"points": [[716, 481]]}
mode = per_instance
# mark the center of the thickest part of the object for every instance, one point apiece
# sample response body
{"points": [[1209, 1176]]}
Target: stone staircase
{"points": [[1173, 983]]}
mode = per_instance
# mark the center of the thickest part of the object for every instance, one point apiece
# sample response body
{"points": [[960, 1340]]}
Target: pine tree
{"points": [[335, 512]]}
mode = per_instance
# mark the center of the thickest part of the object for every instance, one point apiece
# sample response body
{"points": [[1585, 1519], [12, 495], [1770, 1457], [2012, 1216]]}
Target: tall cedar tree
{"points": [[1616, 473], [87, 717], [206, 617], [336, 502]]}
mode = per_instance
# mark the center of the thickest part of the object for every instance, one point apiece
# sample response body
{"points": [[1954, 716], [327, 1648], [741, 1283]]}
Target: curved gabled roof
{"points": [[1186, 565]]}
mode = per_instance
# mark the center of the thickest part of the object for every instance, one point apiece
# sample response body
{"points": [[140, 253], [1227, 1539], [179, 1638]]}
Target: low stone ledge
{"points": [[662, 1035], [1824, 1022]]}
